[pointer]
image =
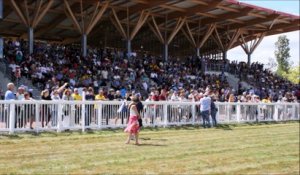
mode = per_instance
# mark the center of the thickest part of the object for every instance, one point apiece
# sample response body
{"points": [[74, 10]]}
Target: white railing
{"points": [[74, 115]]}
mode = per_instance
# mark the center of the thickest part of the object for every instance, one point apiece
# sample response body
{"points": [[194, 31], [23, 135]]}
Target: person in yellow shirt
{"points": [[100, 95], [267, 109], [76, 96]]}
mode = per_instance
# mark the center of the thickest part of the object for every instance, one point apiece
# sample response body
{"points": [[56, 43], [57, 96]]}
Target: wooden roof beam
{"points": [[96, 17], [253, 22], [116, 22], [195, 9], [142, 19], [178, 26], [226, 16], [18, 11]]}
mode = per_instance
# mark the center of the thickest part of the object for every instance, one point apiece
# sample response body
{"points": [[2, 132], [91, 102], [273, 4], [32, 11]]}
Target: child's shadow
{"points": [[150, 144]]}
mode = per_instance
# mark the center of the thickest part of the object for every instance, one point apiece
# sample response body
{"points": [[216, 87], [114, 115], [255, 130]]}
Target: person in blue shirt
{"points": [[205, 107], [9, 94]]}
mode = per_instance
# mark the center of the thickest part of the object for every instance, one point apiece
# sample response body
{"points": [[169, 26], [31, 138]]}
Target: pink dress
{"points": [[133, 124]]}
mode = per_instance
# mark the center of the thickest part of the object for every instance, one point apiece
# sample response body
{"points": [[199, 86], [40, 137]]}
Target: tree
{"points": [[271, 65], [282, 54], [293, 75]]}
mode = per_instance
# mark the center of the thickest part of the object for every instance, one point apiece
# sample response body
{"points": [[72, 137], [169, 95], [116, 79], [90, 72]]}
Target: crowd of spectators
{"points": [[111, 74]]}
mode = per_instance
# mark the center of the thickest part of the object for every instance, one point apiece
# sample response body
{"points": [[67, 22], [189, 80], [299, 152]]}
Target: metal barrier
{"points": [[30, 115]]}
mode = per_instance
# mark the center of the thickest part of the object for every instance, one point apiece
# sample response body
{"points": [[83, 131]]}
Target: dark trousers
{"points": [[213, 118], [205, 119]]}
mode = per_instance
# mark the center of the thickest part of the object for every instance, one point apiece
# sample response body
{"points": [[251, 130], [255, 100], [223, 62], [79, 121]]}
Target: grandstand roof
{"points": [[214, 25]]}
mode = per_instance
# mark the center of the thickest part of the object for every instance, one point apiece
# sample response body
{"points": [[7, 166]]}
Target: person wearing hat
{"points": [[205, 107]]}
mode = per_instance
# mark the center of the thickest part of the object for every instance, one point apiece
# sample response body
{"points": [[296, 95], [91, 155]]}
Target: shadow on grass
{"points": [[11, 136], [225, 126], [149, 144], [147, 138]]}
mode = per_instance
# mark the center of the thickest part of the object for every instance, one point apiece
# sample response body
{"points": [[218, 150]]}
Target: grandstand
{"points": [[155, 66], [159, 50], [199, 27]]}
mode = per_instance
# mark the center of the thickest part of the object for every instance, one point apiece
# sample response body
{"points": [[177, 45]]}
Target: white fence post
{"points": [[83, 112], [193, 112], [165, 106], [275, 116], [37, 113], [99, 114], [59, 118], [11, 118], [227, 112], [154, 117], [238, 112], [293, 115]]}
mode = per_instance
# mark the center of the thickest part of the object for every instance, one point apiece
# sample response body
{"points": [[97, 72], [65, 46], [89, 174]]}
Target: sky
{"points": [[267, 47]]}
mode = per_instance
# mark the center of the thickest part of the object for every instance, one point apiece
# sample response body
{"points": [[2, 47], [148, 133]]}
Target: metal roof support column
{"points": [[129, 48], [224, 54], [224, 59], [249, 59], [198, 52], [166, 54], [1, 9], [84, 45], [30, 40], [1, 39]]}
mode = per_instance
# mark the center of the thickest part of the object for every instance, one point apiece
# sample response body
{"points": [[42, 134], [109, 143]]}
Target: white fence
{"points": [[58, 116]]}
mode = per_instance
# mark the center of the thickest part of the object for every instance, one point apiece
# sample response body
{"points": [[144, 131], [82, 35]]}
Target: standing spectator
{"points": [[205, 104], [67, 108], [118, 96], [90, 96], [9, 95], [111, 95], [214, 111], [29, 110], [77, 97], [19, 108], [45, 108], [100, 95]]}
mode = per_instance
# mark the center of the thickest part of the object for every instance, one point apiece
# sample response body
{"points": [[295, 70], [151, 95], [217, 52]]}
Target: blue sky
{"points": [[267, 47]]}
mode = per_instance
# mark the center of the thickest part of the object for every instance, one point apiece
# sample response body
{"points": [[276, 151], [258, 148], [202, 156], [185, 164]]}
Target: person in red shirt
{"points": [[163, 95], [155, 97]]}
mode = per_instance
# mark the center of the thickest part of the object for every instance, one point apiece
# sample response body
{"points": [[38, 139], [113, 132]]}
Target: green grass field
{"points": [[256, 149]]}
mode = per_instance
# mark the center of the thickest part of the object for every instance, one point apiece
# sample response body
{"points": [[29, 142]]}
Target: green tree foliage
{"points": [[282, 54], [293, 75]]}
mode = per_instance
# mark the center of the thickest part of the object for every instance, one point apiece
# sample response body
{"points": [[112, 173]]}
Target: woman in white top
{"points": [[133, 124]]}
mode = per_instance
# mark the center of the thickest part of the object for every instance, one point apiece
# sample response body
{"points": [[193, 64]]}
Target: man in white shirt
{"points": [[205, 104]]}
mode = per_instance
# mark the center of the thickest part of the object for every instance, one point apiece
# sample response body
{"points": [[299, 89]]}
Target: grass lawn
{"points": [[256, 149]]}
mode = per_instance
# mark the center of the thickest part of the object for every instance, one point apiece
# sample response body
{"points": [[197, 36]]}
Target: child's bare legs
{"points": [[137, 139], [128, 138]]}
